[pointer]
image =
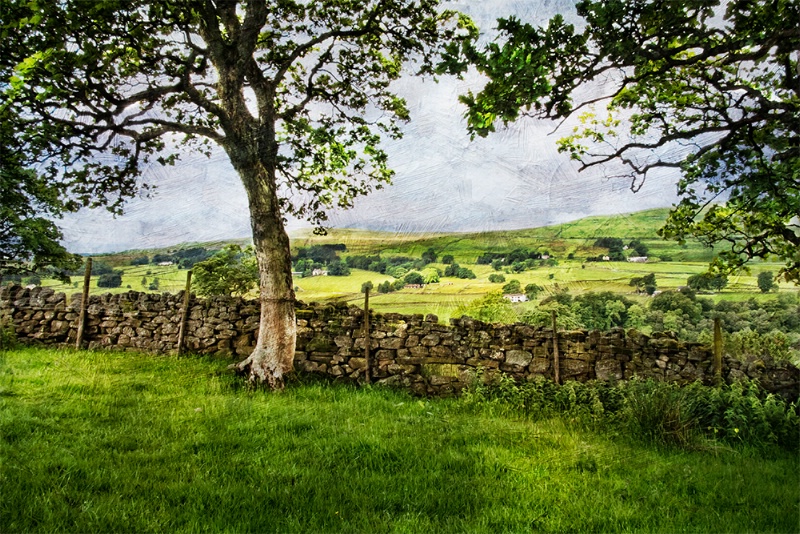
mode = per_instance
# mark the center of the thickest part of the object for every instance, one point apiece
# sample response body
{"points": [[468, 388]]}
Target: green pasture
{"points": [[113, 442], [577, 275]]}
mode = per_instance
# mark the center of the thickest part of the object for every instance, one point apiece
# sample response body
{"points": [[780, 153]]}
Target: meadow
{"points": [[576, 275], [110, 442]]}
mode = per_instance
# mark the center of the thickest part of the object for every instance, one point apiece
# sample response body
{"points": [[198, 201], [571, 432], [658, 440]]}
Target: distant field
{"points": [[578, 276]]}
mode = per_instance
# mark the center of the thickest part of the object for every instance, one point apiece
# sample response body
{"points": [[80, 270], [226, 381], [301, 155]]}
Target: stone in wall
{"points": [[410, 351]]}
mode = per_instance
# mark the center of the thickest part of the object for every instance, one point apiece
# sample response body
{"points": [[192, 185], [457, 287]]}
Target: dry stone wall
{"points": [[413, 352]]}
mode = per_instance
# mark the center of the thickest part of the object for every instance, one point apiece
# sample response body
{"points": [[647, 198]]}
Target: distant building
{"points": [[414, 286], [165, 264], [606, 258], [297, 274], [516, 297], [545, 256], [638, 259], [319, 272]]}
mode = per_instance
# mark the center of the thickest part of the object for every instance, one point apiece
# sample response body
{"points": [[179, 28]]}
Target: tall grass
{"points": [[110, 442]]}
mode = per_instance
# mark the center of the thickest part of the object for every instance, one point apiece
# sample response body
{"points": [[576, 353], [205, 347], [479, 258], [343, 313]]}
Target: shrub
{"points": [[8, 336], [649, 411]]}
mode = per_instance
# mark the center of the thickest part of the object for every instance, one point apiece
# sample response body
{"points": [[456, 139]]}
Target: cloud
{"points": [[444, 181]]}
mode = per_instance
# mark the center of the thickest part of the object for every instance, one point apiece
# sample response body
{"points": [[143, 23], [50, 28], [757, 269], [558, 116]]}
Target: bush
{"points": [[8, 336], [648, 411], [659, 413]]}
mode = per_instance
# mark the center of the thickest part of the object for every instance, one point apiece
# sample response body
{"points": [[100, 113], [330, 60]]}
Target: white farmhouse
{"points": [[516, 297]]}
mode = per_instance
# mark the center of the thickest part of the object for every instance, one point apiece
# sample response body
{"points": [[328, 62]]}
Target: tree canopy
{"points": [[29, 239], [231, 271], [709, 88], [297, 94]]}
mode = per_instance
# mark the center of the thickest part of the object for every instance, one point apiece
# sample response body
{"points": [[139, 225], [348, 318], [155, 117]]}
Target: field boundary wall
{"points": [[408, 351]]}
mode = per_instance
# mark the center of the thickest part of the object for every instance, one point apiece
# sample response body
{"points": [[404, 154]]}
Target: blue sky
{"points": [[444, 181]]}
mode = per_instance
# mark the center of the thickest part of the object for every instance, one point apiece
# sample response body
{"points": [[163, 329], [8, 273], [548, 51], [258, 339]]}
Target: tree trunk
{"points": [[273, 355]]}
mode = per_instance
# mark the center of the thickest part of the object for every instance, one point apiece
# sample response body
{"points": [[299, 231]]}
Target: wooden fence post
{"points": [[367, 373], [556, 362], [717, 351], [185, 312], [87, 278]]}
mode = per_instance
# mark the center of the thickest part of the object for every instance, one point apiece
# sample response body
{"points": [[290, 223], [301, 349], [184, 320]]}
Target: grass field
{"points": [[110, 442], [578, 276]]}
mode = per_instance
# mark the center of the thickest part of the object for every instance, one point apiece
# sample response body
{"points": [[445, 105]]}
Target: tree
{"points": [[497, 278], [430, 275], [766, 282], [110, 280], [512, 286], [29, 239], [231, 271], [638, 247], [532, 291], [298, 95], [429, 256], [646, 283], [707, 281], [447, 259], [709, 88], [491, 308], [367, 286], [414, 278], [465, 274], [338, 268]]}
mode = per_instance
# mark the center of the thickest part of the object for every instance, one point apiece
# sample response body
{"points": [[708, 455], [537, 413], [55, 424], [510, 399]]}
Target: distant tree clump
{"points": [[110, 279], [323, 254], [707, 282], [766, 282], [646, 283], [491, 308], [414, 278], [497, 278], [638, 248], [513, 286], [429, 256], [338, 268], [447, 259], [532, 291]]}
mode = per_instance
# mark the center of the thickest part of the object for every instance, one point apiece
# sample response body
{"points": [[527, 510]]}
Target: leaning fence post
{"points": [[556, 363], [717, 351], [87, 278], [185, 312], [367, 373]]}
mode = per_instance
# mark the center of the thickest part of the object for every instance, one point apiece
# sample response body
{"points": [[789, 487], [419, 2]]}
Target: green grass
{"points": [[108, 442], [442, 299]]}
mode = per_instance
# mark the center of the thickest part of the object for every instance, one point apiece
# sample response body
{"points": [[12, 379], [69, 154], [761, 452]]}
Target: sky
{"points": [[444, 181]]}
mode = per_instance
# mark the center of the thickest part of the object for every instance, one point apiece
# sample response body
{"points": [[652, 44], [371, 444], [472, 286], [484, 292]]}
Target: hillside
{"points": [[576, 237]]}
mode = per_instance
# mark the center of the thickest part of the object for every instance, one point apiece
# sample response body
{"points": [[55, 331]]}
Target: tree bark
{"points": [[273, 356]]}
